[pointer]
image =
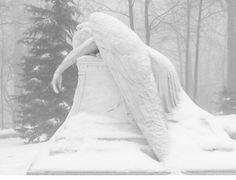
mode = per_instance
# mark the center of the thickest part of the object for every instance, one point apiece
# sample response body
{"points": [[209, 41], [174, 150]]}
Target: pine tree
{"points": [[228, 102], [41, 111]]}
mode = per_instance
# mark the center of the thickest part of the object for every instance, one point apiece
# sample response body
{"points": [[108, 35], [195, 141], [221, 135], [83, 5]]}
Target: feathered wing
{"points": [[137, 86], [128, 60], [168, 85]]}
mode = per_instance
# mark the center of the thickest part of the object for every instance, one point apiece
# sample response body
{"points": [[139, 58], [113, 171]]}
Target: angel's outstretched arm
{"points": [[88, 47]]}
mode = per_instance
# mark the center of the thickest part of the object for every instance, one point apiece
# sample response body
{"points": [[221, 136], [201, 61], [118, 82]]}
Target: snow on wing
{"points": [[168, 85], [130, 65]]}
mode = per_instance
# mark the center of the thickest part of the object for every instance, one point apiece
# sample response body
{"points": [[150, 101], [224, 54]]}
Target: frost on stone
{"points": [[41, 101], [35, 80], [36, 68], [64, 105]]}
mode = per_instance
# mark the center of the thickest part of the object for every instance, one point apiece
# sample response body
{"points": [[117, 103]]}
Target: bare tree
{"points": [[187, 51], [131, 13], [2, 76], [105, 7], [146, 19], [231, 74], [2, 64], [197, 50], [12, 20]]}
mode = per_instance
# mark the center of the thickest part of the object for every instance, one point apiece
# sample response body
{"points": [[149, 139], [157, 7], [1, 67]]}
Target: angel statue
{"points": [[150, 87]]}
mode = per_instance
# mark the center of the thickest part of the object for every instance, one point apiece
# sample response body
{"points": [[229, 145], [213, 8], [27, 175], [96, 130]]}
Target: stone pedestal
{"points": [[99, 136]]}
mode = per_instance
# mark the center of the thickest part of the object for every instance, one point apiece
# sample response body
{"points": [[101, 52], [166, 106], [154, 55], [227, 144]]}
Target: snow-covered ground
{"points": [[15, 156]]}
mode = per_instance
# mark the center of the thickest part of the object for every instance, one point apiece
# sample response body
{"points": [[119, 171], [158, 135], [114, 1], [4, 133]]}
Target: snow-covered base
{"points": [[187, 155], [97, 144], [94, 162], [15, 156], [100, 137], [108, 147], [228, 122], [198, 140]]}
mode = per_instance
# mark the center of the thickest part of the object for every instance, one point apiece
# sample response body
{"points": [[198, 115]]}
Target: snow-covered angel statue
{"points": [[149, 85]]}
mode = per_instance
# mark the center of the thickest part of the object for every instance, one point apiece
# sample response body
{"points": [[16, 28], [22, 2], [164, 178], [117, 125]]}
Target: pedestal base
{"points": [[99, 136]]}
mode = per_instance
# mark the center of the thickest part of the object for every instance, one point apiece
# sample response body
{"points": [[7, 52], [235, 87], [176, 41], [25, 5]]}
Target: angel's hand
{"points": [[56, 82]]}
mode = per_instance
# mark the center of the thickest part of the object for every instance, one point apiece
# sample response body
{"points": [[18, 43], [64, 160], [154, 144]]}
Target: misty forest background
{"points": [[199, 36]]}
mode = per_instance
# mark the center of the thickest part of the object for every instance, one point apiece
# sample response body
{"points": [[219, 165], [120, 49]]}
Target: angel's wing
{"points": [[130, 65], [133, 75], [167, 80]]}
